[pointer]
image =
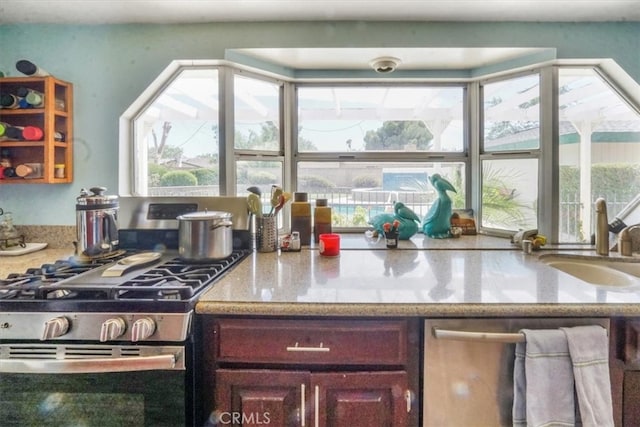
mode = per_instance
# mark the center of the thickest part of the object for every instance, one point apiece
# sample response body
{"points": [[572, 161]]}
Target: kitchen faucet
{"points": [[602, 227], [629, 240]]}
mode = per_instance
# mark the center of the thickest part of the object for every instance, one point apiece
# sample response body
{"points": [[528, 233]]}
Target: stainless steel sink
{"points": [[600, 271]]}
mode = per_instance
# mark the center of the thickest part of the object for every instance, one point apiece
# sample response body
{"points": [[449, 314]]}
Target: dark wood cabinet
{"points": [[249, 397], [625, 371], [316, 373], [361, 399]]}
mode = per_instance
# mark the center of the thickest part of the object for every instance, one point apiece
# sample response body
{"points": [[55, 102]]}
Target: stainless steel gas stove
{"points": [[69, 318]]}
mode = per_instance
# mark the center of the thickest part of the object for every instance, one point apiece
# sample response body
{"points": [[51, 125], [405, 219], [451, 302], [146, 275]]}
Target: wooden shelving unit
{"points": [[55, 116]]}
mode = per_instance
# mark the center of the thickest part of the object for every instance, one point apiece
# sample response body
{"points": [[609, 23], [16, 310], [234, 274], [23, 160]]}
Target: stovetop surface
{"points": [[169, 284]]}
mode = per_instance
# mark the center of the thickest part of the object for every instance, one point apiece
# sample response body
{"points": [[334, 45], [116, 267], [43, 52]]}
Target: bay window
{"points": [[523, 150]]}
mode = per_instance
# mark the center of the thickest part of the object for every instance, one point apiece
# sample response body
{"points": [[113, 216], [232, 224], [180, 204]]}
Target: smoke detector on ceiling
{"points": [[385, 64]]}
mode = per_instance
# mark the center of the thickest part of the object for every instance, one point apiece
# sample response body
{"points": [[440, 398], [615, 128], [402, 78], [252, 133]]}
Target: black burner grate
{"points": [[173, 279]]}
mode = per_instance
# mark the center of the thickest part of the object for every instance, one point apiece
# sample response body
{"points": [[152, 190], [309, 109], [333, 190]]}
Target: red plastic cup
{"points": [[329, 244]]}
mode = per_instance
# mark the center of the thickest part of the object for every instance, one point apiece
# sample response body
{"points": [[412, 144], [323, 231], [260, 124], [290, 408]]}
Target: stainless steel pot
{"points": [[205, 236], [96, 223]]}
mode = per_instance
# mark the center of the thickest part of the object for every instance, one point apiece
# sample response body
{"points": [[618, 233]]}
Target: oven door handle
{"points": [[90, 365]]}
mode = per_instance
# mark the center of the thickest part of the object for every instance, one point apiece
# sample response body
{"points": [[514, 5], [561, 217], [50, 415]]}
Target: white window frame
{"points": [[545, 145], [132, 178]]}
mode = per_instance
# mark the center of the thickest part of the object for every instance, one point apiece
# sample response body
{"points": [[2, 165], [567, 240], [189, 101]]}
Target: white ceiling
{"points": [[200, 11], [407, 58]]}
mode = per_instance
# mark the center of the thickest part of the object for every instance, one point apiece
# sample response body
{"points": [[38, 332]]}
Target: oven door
{"points": [[92, 385]]}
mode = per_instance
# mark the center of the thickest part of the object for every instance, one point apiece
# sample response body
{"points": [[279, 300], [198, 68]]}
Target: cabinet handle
{"points": [[321, 348], [303, 410], [316, 410], [493, 337], [407, 398], [445, 334]]}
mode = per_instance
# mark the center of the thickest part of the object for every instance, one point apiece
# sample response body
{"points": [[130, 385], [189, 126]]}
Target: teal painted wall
{"points": [[111, 65]]}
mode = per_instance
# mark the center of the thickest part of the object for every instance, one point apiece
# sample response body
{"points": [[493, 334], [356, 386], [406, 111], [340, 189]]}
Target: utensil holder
{"points": [[266, 233]]}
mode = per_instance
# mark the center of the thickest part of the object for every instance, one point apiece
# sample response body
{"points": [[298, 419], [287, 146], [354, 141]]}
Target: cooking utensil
{"points": [[284, 199], [255, 204], [205, 236], [96, 223], [281, 202], [131, 262], [276, 192], [255, 190]]}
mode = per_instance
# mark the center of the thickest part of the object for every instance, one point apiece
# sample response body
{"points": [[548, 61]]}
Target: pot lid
{"points": [[96, 196], [205, 215]]}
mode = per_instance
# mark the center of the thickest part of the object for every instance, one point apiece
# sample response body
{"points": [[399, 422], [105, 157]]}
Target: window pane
{"points": [[358, 191], [599, 151], [512, 114], [510, 194], [177, 138], [257, 114], [259, 173], [380, 118]]}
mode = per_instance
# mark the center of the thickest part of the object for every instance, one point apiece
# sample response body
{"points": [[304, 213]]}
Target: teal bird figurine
{"points": [[378, 221], [437, 222], [408, 221], [406, 217]]}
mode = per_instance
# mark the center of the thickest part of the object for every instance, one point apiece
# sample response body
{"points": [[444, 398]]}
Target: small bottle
{"points": [[30, 69], [35, 99], [13, 132], [32, 133], [22, 103], [301, 217], [3, 129], [9, 172], [22, 91], [9, 101], [58, 169], [29, 170], [321, 219], [5, 158]]}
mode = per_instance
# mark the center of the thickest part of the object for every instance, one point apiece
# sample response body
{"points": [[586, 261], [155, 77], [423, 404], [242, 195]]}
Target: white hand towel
{"points": [[589, 350], [519, 413], [548, 386]]}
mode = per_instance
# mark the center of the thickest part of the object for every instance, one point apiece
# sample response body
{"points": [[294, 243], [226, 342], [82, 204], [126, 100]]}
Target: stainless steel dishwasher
{"points": [[468, 368]]}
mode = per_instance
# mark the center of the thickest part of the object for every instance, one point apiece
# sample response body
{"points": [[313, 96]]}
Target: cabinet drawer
{"points": [[322, 342]]}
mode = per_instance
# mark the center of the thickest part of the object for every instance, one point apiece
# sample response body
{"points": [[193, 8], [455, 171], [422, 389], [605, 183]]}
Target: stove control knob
{"points": [[142, 329], [112, 329], [54, 328]]}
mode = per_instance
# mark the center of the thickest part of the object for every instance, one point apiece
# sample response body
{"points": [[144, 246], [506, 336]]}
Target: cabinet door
{"points": [[631, 415], [360, 399], [254, 397]]}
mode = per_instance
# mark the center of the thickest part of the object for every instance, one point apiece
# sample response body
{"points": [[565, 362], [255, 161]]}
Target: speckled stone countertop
{"points": [[471, 276], [59, 240], [19, 263]]}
